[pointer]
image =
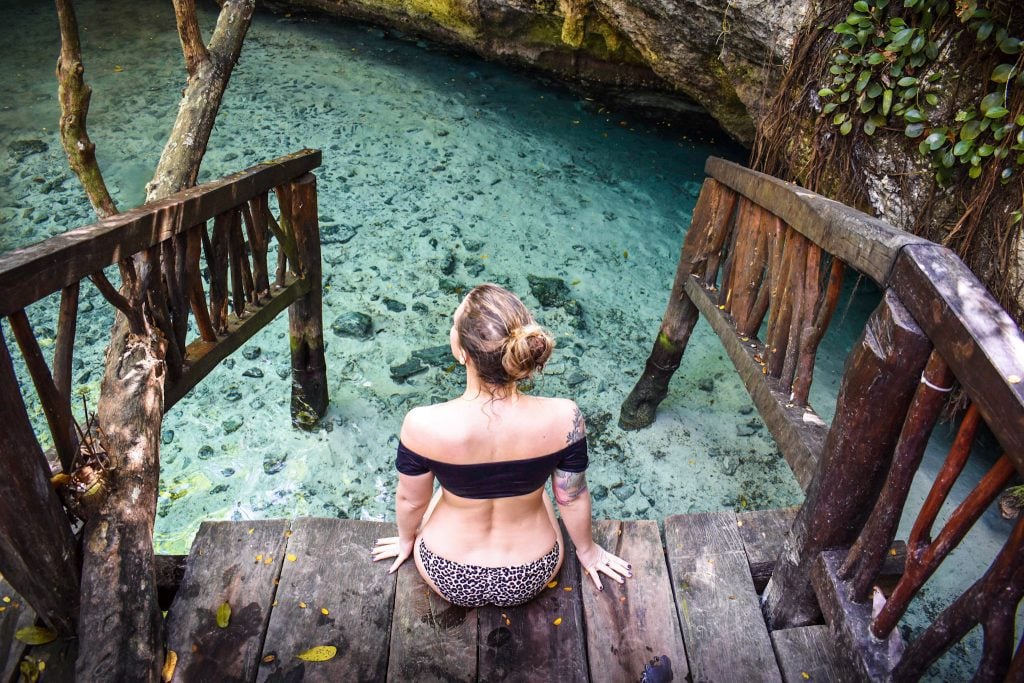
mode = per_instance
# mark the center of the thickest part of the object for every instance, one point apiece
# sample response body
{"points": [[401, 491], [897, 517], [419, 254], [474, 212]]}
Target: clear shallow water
{"points": [[433, 162]]}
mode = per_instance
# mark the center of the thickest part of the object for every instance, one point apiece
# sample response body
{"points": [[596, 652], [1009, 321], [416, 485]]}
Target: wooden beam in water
{"points": [[202, 356], [798, 432], [35, 271], [862, 242]]}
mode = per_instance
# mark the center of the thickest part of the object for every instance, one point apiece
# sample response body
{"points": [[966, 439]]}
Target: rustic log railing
{"points": [[38, 554], [763, 261]]}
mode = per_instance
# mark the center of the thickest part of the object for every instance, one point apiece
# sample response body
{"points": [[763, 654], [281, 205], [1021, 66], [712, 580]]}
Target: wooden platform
{"points": [[293, 586]]}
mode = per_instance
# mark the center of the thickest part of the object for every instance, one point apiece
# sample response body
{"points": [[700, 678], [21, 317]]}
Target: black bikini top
{"points": [[495, 479]]}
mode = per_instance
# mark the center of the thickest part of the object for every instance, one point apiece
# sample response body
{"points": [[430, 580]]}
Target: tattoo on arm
{"points": [[578, 428], [569, 486]]}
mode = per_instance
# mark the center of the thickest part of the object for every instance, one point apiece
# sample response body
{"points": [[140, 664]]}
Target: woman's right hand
{"points": [[596, 561], [392, 546]]}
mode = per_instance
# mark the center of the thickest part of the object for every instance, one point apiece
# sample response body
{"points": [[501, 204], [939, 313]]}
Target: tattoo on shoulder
{"points": [[578, 428], [569, 486]]}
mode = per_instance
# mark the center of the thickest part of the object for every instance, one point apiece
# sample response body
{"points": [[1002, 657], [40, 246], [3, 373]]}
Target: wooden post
{"points": [[305, 316], [856, 456], [38, 555]]}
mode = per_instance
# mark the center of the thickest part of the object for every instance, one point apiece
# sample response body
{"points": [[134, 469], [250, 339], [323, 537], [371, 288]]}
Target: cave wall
{"points": [[724, 57]]}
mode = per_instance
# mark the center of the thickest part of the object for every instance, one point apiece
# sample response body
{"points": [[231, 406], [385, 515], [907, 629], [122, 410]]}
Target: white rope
{"points": [[924, 381]]}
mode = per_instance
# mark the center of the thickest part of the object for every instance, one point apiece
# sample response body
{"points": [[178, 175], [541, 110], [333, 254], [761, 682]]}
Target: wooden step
{"points": [[808, 653], [724, 631], [763, 533]]}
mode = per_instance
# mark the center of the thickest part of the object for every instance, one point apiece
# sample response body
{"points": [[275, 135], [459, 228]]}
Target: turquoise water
{"points": [[439, 170]]}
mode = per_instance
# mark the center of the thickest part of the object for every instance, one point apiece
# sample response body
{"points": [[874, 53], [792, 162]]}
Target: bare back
{"points": [[498, 531]]}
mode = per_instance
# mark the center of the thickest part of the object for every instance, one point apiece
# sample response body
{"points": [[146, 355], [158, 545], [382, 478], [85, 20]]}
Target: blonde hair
{"points": [[499, 334]]}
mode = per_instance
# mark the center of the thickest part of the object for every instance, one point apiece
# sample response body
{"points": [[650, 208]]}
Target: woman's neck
{"points": [[478, 390]]}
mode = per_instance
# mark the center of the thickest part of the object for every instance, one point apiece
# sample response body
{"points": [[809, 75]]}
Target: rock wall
{"points": [[724, 57]]}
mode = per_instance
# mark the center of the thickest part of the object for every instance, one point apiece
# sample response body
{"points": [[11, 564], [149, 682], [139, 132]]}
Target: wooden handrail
{"points": [[33, 272]]}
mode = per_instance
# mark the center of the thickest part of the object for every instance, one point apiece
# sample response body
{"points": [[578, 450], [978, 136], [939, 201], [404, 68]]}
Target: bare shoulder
{"points": [[428, 428], [569, 418]]}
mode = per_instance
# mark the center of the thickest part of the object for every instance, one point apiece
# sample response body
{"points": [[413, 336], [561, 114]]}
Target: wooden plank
{"points": [[862, 242], [331, 593], [15, 613], [524, 644], [809, 653], [974, 335], [431, 639], [31, 273], [798, 432], [872, 659], [629, 624], [763, 533], [236, 563], [203, 356], [719, 612]]}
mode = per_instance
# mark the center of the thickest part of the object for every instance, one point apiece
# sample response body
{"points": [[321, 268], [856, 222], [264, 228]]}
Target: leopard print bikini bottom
{"points": [[468, 585]]}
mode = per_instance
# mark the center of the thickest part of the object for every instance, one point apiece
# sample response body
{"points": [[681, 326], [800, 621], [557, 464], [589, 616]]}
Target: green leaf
{"points": [[913, 116], [934, 77], [846, 127], [901, 38], [985, 30], [931, 50], [962, 148], [861, 6], [986, 151], [839, 118], [1005, 175], [914, 130], [974, 171], [866, 105], [1010, 46], [996, 113], [923, 148], [910, 3], [948, 159], [873, 90], [1019, 120], [862, 81], [970, 130], [917, 44], [909, 93], [35, 635], [826, 92], [1002, 73], [993, 99], [875, 58], [869, 127], [855, 18], [224, 615], [935, 140], [886, 101], [931, 98], [830, 107], [844, 28], [896, 22]]}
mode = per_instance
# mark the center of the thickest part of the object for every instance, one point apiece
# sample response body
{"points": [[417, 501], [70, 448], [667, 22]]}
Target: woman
{"points": [[489, 535]]}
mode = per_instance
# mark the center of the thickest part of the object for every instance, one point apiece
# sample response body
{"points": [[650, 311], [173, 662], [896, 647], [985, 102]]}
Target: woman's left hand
{"points": [[596, 560], [392, 546]]}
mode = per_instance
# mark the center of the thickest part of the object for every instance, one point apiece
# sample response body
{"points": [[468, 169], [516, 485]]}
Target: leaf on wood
{"points": [[36, 635], [224, 615], [170, 663], [320, 653]]}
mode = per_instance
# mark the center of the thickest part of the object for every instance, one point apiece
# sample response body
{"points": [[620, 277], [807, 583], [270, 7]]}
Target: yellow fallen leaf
{"points": [[36, 635], [287, 533], [224, 615], [806, 676], [291, 557], [252, 529], [259, 558], [302, 605], [7, 598], [268, 560], [552, 584], [320, 653], [558, 621], [268, 659], [118, 69], [324, 611], [567, 589], [170, 662]]}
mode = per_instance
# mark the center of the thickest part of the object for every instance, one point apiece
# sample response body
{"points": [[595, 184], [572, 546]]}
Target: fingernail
{"points": [[629, 566], [600, 588]]}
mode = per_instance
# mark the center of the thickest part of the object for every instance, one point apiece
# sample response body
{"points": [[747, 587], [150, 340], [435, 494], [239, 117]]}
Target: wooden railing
{"points": [[37, 552], [763, 261]]}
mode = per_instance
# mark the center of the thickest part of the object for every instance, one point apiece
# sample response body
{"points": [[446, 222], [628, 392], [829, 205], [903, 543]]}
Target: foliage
{"points": [[884, 73]]}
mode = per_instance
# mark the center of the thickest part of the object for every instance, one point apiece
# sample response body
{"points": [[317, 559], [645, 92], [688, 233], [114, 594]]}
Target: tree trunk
{"points": [[120, 625]]}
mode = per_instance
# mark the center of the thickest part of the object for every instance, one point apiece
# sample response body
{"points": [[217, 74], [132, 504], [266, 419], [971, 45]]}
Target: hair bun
{"points": [[527, 349]]}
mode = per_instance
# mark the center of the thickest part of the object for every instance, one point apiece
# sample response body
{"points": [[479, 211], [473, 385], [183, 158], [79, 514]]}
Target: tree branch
{"points": [[191, 37], [74, 97]]}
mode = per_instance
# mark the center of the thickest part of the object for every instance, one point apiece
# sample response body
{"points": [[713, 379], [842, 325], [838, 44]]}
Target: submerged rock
{"points": [[272, 464], [551, 292], [353, 324], [394, 305]]}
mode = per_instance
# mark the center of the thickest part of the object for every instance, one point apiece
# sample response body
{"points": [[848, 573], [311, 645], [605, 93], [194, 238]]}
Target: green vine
{"points": [[884, 74]]}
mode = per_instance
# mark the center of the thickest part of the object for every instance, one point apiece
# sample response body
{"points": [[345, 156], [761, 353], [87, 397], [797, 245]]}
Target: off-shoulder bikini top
{"points": [[500, 479]]}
